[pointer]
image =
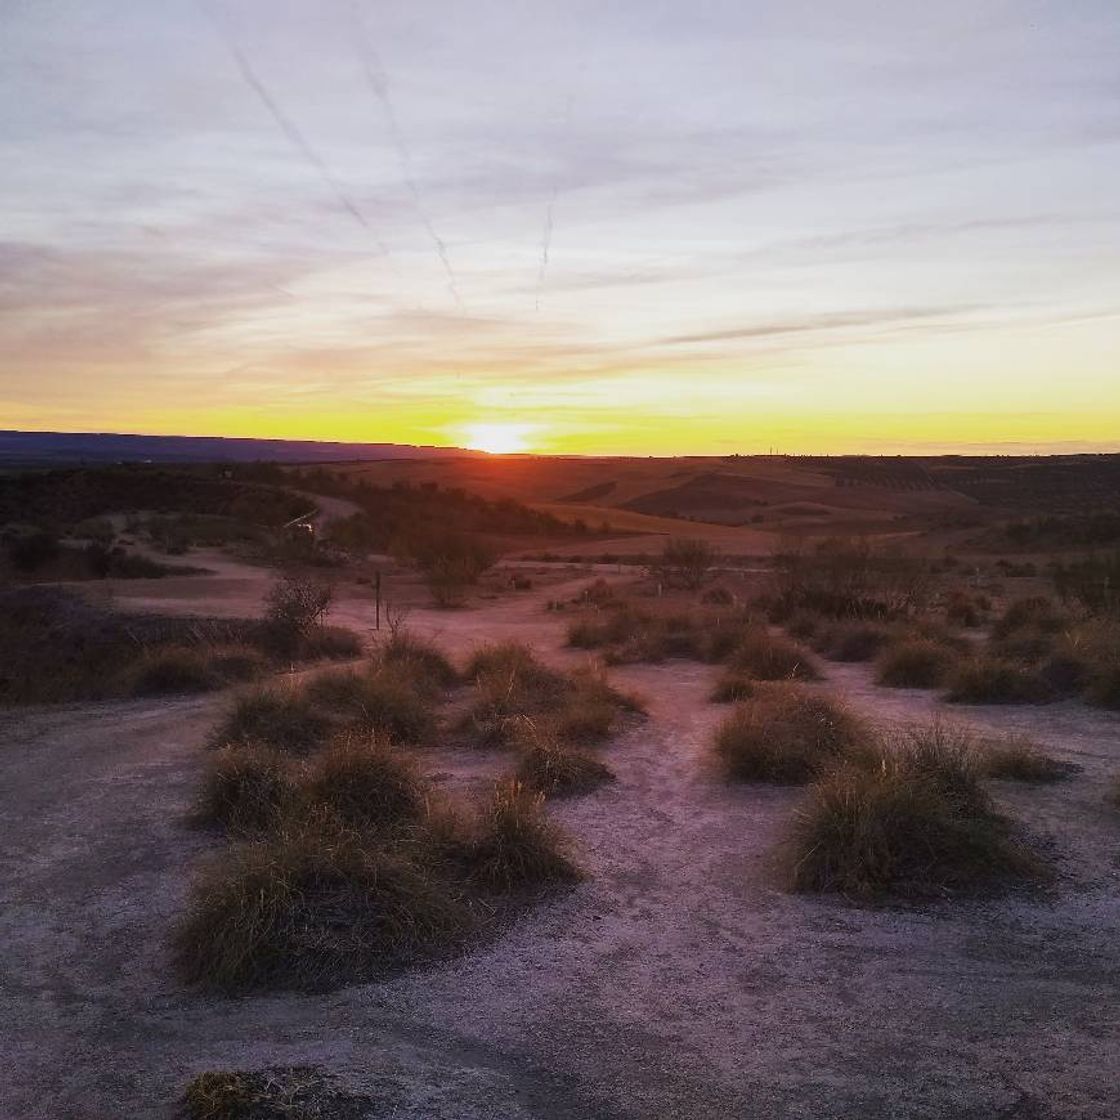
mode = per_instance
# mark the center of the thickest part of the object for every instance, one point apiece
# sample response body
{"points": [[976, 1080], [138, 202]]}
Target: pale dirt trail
{"points": [[677, 982]]}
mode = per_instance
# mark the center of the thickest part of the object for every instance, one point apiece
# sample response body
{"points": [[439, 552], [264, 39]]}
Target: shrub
{"points": [[914, 825], [245, 788], [554, 770], [915, 663], [1018, 759], [684, 562], [984, 679], [365, 784], [511, 685], [516, 847], [767, 657], [280, 717], [293, 608], [383, 699], [786, 734], [312, 907], [733, 685]]}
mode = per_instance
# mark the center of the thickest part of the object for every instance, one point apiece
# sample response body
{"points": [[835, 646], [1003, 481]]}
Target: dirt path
{"points": [[678, 982]]}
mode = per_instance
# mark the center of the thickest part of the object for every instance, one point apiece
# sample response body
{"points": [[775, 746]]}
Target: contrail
{"points": [[286, 125], [546, 236], [378, 81]]}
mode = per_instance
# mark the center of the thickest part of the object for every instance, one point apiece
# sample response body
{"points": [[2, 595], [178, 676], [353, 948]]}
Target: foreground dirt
{"points": [[678, 982]]}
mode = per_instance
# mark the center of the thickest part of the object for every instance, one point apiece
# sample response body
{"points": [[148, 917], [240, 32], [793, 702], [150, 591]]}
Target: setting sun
{"points": [[497, 439]]}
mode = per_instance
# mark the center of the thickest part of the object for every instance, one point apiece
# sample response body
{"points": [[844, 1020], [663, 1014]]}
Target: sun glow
{"points": [[497, 438]]}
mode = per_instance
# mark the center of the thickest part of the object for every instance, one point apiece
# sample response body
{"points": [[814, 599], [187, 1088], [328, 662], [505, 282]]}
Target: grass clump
{"points": [[1017, 758], [245, 788], [914, 824], [365, 784], [310, 905], [550, 768], [915, 663], [516, 847], [284, 1093], [732, 686], [768, 657], [385, 699], [280, 716], [192, 668], [512, 689], [786, 734], [986, 679], [420, 661], [850, 641]]}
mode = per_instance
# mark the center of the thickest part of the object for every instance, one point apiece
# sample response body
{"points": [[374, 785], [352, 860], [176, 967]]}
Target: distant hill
{"points": [[19, 449]]}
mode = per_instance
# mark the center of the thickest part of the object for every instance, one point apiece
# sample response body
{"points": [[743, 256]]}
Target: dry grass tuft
{"points": [[550, 768], [786, 734], [310, 905], [768, 657], [246, 787], [1016, 758], [365, 784], [385, 699], [915, 823], [419, 661], [286, 1093], [733, 685], [516, 847], [984, 679], [279, 716], [915, 663]]}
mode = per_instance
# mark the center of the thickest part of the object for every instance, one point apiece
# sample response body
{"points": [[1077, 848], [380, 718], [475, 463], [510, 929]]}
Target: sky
{"points": [[620, 226]]}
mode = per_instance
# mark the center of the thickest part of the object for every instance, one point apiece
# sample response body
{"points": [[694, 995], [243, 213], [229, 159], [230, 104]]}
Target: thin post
{"points": [[377, 594]]}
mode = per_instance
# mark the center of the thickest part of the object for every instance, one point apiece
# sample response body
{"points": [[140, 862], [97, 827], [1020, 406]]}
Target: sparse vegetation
{"points": [[684, 562]]}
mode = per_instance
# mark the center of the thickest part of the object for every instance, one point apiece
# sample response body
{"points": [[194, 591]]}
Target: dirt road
{"points": [[678, 982]]}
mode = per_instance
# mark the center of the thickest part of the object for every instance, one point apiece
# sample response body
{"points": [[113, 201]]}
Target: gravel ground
{"points": [[679, 981]]}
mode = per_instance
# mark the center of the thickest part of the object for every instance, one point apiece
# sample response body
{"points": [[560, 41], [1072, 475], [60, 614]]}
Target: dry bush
{"points": [[295, 606], [786, 734], [1017, 758], [312, 906], [365, 784], [768, 657], [384, 698], [733, 685], [684, 562], [917, 823], [516, 847], [915, 663], [245, 788], [984, 679], [1033, 613], [281, 716]]}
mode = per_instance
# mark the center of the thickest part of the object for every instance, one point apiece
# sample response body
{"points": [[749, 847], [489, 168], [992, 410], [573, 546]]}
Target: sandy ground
{"points": [[678, 982]]}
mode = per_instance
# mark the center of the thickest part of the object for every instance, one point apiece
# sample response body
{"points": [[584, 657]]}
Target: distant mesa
{"points": [[70, 448]]}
